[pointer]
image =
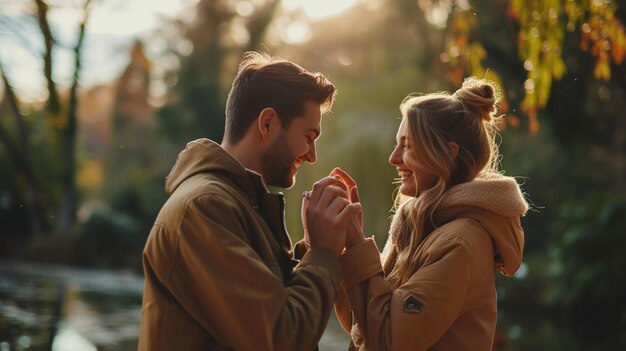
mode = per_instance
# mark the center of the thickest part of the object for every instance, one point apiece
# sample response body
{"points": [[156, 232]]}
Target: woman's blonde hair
{"points": [[467, 118]]}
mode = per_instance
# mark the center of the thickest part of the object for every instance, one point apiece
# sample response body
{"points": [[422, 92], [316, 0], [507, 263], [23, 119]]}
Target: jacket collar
{"points": [[206, 156], [496, 203]]}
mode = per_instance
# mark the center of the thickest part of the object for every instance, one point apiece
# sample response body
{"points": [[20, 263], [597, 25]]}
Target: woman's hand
{"points": [[354, 234], [305, 203], [345, 178]]}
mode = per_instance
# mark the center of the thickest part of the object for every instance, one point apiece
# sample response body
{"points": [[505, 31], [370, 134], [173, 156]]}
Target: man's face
{"points": [[293, 146]]}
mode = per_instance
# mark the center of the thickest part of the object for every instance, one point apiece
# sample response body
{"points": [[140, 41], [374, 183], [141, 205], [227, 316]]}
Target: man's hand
{"points": [[327, 212]]}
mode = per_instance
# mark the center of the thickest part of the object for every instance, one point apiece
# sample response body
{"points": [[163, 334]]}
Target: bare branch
{"points": [[68, 205], [54, 104], [18, 30]]}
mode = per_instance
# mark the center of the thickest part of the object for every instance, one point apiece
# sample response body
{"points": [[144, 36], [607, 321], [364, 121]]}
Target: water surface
{"points": [[60, 308]]}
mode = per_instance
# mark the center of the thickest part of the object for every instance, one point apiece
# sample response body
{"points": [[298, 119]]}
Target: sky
{"points": [[136, 16], [112, 26]]}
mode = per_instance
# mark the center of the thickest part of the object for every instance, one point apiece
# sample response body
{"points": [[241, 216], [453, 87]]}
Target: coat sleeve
{"points": [[342, 309], [220, 281], [418, 313]]}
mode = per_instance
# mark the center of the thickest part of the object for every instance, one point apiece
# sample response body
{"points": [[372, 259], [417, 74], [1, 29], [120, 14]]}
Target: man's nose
{"points": [[311, 156]]}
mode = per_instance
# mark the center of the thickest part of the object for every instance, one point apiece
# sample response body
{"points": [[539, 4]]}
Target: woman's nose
{"points": [[395, 158]]}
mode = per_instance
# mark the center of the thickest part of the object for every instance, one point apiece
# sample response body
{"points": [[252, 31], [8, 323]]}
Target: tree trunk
{"points": [[19, 155], [68, 206], [54, 104]]}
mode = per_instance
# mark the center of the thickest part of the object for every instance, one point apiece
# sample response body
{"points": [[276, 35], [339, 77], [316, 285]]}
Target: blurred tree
{"points": [[221, 31], [133, 120], [68, 207], [484, 42], [587, 283], [134, 169], [569, 77], [20, 157], [54, 104], [541, 30], [60, 122]]}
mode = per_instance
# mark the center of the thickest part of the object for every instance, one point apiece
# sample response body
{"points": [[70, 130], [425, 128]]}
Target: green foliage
{"points": [[44, 154], [539, 40], [110, 239], [199, 115], [141, 200], [540, 47], [113, 234], [12, 217], [586, 252], [195, 107], [586, 267]]}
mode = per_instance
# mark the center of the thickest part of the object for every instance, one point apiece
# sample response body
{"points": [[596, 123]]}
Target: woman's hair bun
{"points": [[480, 95]]}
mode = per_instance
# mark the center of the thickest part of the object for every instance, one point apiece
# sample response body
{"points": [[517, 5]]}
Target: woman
{"points": [[457, 218]]}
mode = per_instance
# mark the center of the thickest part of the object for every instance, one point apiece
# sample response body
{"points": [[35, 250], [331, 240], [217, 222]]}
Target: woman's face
{"points": [[405, 157]]}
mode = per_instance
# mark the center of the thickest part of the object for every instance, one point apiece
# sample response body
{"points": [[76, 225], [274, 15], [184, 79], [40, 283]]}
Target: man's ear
{"points": [[454, 150], [268, 123]]}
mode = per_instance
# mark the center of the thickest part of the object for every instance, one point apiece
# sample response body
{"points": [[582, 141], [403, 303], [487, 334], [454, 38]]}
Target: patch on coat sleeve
{"points": [[411, 304]]}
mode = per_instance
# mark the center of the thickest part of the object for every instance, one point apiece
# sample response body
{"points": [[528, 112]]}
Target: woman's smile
{"points": [[405, 173]]}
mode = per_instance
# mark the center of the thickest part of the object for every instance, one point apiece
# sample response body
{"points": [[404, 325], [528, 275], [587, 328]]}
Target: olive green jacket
{"points": [[217, 264]]}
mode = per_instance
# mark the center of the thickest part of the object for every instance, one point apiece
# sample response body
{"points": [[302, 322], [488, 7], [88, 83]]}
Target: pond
{"points": [[59, 308]]}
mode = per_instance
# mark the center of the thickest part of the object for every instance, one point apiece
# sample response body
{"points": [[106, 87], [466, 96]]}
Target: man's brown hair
{"points": [[263, 81]]}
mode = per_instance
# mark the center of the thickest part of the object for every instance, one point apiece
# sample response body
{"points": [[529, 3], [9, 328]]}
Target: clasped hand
{"points": [[332, 215]]}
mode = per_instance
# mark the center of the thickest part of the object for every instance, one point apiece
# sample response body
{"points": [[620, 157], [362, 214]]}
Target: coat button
{"points": [[411, 304]]}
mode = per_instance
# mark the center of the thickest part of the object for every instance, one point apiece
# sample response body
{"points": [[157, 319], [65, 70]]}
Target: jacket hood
{"points": [[496, 203], [206, 156]]}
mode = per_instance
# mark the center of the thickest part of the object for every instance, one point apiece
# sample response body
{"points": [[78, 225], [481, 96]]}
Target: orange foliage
{"points": [[542, 29]]}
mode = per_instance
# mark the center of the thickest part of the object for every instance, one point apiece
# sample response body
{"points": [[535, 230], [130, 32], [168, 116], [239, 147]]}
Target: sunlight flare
{"points": [[319, 9]]}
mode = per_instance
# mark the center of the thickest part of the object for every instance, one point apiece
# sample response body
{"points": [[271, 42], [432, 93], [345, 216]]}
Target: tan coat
{"points": [[218, 273], [449, 303]]}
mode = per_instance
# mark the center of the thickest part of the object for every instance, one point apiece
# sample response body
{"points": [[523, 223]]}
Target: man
{"points": [[218, 269]]}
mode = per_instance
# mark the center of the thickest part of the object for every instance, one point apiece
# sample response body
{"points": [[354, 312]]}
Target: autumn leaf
{"points": [[602, 70]]}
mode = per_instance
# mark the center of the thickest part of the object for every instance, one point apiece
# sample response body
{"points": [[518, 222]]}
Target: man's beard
{"points": [[277, 162]]}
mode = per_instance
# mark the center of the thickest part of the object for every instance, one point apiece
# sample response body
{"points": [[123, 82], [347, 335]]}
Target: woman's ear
{"points": [[454, 150], [268, 123]]}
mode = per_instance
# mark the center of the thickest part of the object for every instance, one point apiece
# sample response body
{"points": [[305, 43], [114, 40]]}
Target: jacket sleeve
{"points": [[418, 313], [342, 309], [224, 285]]}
